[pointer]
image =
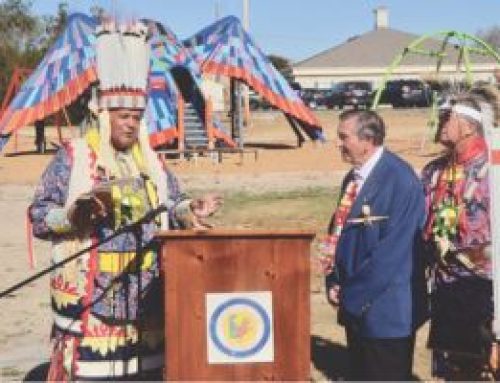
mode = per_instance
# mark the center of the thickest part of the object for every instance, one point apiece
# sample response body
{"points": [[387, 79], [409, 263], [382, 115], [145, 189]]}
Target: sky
{"points": [[299, 29]]}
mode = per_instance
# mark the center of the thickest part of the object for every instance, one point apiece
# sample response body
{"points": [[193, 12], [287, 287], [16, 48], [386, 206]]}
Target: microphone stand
{"points": [[134, 227]]}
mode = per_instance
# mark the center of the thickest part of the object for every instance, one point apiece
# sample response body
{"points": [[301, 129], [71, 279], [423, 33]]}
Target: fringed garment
{"points": [[107, 304], [458, 236]]}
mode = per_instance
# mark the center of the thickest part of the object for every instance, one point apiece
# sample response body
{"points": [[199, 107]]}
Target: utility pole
{"points": [[217, 10], [246, 8], [246, 96]]}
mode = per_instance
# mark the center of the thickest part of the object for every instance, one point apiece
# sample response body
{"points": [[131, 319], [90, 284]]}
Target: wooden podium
{"points": [[240, 295]]}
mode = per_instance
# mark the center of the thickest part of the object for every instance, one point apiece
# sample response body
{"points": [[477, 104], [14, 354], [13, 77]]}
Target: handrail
{"points": [[208, 123], [180, 122]]}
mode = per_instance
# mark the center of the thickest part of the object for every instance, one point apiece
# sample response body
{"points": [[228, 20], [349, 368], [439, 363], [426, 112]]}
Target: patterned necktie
{"points": [[329, 245]]}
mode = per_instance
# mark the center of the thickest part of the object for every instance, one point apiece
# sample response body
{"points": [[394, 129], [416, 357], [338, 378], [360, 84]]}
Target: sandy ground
{"points": [[272, 163]]}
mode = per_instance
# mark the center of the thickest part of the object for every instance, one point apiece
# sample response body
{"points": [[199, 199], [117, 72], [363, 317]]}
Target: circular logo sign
{"points": [[240, 327]]}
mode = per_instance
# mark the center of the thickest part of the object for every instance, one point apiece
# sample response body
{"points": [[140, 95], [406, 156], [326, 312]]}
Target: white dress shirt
{"points": [[362, 173]]}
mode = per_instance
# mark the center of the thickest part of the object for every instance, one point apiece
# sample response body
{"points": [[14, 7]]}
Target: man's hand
{"points": [[333, 295], [494, 356], [86, 212], [324, 264], [204, 207]]}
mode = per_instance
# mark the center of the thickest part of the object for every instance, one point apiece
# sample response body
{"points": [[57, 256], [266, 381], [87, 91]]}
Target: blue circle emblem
{"points": [[240, 327]]}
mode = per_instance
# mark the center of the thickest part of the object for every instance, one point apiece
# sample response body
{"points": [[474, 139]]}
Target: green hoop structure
{"points": [[465, 43]]}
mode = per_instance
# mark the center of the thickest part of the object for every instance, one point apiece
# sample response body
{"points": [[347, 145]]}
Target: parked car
{"points": [[295, 86], [314, 98], [257, 102], [254, 101], [406, 93], [355, 93]]}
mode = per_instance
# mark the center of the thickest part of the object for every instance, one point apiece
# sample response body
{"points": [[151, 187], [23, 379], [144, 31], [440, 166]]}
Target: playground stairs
{"points": [[195, 134]]}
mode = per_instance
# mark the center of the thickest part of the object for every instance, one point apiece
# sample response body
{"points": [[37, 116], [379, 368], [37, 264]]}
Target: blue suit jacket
{"points": [[377, 265]]}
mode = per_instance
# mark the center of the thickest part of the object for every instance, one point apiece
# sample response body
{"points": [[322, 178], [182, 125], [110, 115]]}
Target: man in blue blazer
{"points": [[377, 279]]}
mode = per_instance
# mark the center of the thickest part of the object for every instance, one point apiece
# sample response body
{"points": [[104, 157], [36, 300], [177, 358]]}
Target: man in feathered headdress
{"points": [[458, 238], [107, 304]]}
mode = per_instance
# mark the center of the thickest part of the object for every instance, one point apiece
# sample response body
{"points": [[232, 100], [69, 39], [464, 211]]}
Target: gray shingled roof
{"points": [[378, 48]]}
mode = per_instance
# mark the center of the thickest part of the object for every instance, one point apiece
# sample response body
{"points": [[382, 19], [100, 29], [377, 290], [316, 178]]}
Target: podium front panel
{"points": [[261, 264]]}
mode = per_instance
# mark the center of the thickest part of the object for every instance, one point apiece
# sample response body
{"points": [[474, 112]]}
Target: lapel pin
{"points": [[366, 217]]}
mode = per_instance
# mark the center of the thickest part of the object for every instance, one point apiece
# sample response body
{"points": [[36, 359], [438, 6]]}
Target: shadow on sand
{"points": [[37, 374], [264, 145], [331, 359]]}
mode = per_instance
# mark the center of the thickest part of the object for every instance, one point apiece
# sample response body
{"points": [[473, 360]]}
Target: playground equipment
{"points": [[17, 77], [226, 49], [450, 47], [179, 115], [437, 45]]}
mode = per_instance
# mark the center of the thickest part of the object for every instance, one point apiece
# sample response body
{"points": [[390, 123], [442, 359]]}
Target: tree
{"points": [[54, 25], [17, 24], [283, 66], [17, 35], [491, 36], [24, 37]]}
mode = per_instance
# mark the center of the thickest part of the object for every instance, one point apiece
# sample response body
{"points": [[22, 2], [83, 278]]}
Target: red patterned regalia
{"points": [[458, 232]]}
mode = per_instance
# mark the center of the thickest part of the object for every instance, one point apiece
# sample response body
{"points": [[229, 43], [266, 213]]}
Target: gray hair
{"points": [[369, 125]]}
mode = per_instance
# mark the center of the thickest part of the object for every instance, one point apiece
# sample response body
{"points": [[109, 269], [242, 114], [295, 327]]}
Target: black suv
{"points": [[314, 98], [355, 93], [406, 93]]}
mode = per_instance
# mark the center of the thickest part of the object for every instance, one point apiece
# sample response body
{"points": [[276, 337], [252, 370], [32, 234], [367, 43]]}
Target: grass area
{"points": [[9, 373], [306, 209]]}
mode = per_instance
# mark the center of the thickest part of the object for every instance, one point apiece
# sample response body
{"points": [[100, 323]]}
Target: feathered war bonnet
{"points": [[122, 64], [123, 55]]}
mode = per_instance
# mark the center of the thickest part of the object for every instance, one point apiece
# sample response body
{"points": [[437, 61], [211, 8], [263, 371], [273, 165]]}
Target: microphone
{"points": [[150, 215]]}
